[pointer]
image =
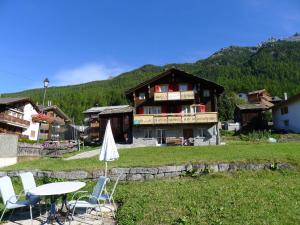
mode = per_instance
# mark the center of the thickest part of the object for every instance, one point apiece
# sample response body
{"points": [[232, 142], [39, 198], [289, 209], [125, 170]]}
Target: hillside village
{"points": [[210, 141]]}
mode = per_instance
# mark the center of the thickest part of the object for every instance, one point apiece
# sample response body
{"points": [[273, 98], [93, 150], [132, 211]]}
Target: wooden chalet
{"points": [[56, 129], [15, 117], [121, 123], [177, 108], [252, 115]]}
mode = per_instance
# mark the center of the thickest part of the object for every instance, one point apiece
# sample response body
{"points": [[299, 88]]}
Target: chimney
{"points": [[285, 96]]}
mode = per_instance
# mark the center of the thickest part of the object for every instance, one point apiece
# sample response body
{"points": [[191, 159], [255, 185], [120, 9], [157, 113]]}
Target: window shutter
{"points": [[202, 108], [157, 88], [141, 110], [190, 87]]}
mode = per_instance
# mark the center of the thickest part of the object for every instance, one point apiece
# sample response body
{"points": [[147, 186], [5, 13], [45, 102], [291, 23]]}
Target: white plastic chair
{"points": [[28, 183], [10, 199], [108, 197], [93, 200]]}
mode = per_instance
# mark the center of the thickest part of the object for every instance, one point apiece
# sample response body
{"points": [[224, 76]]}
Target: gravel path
{"points": [[84, 155]]}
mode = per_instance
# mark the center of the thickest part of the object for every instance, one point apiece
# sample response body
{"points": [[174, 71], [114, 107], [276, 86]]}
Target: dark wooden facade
{"points": [[121, 118], [175, 107], [205, 92]]}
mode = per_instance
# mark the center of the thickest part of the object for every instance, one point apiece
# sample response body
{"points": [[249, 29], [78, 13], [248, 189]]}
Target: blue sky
{"points": [[72, 41]]}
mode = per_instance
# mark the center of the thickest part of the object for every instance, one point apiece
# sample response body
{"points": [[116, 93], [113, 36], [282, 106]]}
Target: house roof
{"points": [[288, 101], [12, 101], [254, 106], [126, 109], [256, 92], [56, 109], [102, 108], [219, 88]]}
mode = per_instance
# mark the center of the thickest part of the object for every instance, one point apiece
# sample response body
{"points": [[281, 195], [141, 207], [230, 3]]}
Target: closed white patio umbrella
{"points": [[109, 151]]}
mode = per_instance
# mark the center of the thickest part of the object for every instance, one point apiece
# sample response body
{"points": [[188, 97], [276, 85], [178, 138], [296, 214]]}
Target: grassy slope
{"points": [[281, 152], [245, 197], [240, 198]]}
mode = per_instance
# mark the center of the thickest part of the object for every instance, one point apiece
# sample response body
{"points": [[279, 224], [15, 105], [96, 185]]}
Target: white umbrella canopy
{"points": [[108, 151]]}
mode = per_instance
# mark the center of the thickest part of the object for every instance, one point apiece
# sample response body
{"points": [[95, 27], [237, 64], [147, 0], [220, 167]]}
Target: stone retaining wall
{"points": [[37, 150], [141, 173]]}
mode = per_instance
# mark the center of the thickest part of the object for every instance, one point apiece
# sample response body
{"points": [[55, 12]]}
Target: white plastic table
{"points": [[53, 190]]}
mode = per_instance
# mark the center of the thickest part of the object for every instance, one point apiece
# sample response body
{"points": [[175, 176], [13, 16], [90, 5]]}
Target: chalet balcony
{"points": [[175, 118], [14, 121], [175, 95]]}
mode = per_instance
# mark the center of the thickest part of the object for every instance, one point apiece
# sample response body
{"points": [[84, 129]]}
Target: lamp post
{"points": [[46, 84]]}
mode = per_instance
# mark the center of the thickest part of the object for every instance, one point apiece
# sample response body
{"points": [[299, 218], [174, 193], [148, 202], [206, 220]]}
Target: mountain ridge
{"points": [[273, 65]]}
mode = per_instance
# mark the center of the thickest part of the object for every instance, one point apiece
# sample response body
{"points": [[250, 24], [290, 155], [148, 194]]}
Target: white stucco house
{"points": [[33, 130], [286, 114]]}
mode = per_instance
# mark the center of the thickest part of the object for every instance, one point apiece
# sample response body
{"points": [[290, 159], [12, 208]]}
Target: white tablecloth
{"points": [[57, 188]]}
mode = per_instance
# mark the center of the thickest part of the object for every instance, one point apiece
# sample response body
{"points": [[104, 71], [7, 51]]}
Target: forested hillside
{"points": [[274, 66]]}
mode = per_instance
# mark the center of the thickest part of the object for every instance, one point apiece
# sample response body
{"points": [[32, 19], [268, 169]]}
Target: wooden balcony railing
{"points": [[176, 95], [176, 118], [15, 121]]}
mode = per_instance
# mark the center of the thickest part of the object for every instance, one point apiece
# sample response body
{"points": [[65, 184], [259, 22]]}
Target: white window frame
{"points": [[193, 107], [142, 96], [183, 87], [152, 110], [201, 132], [148, 133], [164, 86], [186, 109]]}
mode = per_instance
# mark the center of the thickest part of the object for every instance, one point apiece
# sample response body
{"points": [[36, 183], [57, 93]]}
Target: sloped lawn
{"points": [[240, 198], [156, 156]]}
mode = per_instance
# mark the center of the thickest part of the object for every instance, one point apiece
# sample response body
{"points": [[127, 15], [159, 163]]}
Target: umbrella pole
{"points": [[105, 169]]}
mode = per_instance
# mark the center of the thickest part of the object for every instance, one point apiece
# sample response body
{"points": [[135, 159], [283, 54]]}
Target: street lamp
{"points": [[46, 84]]}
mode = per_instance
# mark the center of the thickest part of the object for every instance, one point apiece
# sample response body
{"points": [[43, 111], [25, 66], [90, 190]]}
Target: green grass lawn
{"points": [[245, 197], [156, 156]]}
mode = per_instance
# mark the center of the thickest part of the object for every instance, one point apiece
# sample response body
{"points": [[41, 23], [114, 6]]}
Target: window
{"points": [[164, 88], [284, 110], [206, 93], [186, 109], [286, 123], [201, 132], [152, 110], [142, 96], [32, 134], [183, 87], [148, 133]]}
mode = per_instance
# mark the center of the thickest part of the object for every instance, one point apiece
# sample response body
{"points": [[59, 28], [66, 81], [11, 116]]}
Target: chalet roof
{"points": [[219, 88], [257, 92], [126, 109], [254, 106], [57, 110], [102, 108], [288, 101], [9, 101], [12, 101]]}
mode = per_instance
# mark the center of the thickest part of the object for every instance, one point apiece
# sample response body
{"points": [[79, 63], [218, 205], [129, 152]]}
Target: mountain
{"points": [[274, 65]]}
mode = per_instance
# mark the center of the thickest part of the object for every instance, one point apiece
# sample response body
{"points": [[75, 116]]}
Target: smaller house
{"points": [[96, 118], [253, 114], [286, 114], [16, 117], [56, 129]]}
